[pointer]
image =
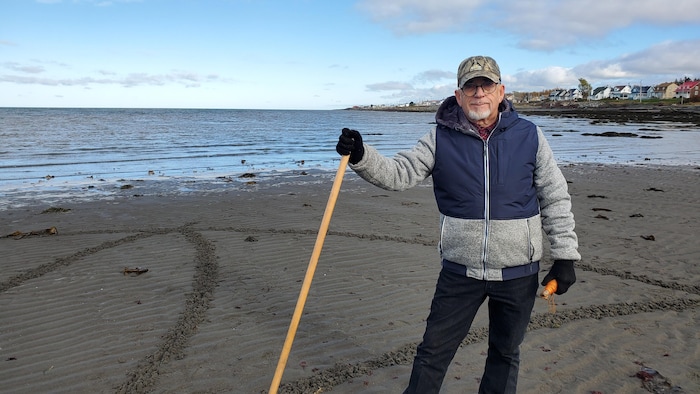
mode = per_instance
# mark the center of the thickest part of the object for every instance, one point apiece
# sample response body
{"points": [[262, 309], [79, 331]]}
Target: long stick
{"points": [[309, 274]]}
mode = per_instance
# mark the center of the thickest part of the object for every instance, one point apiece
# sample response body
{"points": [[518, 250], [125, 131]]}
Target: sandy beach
{"points": [[195, 293]]}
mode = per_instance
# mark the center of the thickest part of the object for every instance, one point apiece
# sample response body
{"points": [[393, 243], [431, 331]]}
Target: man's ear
{"points": [[458, 96]]}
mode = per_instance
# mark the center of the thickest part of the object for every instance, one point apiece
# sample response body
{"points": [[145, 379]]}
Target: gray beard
{"points": [[474, 115]]}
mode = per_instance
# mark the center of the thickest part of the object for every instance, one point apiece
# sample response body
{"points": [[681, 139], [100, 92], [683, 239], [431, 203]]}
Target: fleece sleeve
{"points": [[555, 204], [402, 171]]}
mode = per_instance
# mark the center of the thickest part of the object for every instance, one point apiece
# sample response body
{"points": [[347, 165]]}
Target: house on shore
{"points": [[688, 90], [565, 95], [641, 92], [665, 90], [600, 93], [621, 92]]}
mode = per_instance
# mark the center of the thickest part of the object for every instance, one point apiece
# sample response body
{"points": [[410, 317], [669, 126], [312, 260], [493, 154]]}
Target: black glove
{"points": [[563, 272], [350, 143]]}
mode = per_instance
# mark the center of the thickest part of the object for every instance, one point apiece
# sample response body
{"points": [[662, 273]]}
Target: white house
{"points": [[565, 95], [575, 94], [621, 92], [556, 95], [601, 93]]}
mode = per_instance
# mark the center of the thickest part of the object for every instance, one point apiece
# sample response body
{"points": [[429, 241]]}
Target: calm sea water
{"points": [[49, 154]]}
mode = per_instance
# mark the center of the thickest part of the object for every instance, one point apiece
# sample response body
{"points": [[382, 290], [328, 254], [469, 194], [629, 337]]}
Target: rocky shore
{"points": [[622, 113], [599, 111]]}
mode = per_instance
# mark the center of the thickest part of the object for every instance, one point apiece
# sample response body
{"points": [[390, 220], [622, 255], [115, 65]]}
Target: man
{"points": [[497, 186]]}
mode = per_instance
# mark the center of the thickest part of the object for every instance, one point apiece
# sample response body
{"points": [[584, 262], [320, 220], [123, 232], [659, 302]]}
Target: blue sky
{"points": [[327, 54]]}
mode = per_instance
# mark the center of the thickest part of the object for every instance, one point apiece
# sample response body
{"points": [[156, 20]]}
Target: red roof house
{"points": [[689, 90]]}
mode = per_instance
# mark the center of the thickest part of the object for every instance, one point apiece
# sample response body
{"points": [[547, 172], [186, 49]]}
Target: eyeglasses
{"points": [[469, 89]]}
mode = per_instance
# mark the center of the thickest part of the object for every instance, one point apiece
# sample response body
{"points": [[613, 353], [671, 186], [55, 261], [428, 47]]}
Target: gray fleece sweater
{"points": [[487, 247]]}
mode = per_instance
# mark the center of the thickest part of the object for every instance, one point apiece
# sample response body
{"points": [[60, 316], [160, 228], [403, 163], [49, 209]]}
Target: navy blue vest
{"points": [[460, 174]]}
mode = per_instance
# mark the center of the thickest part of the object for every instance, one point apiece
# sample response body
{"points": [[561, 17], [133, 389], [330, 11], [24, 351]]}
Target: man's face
{"points": [[479, 99]]}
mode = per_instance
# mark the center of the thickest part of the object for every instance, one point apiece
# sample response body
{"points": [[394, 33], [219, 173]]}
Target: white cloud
{"points": [[539, 24], [434, 75], [417, 16], [403, 92], [188, 79], [549, 25], [390, 85], [536, 80], [656, 64], [603, 70], [29, 69], [662, 62]]}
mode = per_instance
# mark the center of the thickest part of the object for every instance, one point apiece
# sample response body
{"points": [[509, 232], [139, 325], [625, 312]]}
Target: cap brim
{"points": [[478, 74]]}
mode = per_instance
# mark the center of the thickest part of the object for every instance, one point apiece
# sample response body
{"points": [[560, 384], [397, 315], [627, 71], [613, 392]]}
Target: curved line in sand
{"points": [[197, 303]]}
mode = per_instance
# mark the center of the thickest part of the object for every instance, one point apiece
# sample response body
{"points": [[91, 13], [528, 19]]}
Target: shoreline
{"points": [[224, 272], [86, 177], [621, 112], [188, 187]]}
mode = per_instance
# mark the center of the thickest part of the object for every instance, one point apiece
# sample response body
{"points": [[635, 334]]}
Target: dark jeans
{"points": [[456, 301]]}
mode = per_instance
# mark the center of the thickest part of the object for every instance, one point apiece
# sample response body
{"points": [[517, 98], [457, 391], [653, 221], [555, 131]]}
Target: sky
{"points": [[328, 54]]}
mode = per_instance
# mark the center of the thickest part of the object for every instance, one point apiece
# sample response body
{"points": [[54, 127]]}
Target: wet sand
{"points": [[224, 270]]}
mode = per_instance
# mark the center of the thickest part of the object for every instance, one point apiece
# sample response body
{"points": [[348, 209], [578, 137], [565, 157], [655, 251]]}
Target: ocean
{"points": [[50, 154]]}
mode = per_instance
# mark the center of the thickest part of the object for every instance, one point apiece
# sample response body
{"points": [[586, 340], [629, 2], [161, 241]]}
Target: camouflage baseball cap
{"points": [[478, 66]]}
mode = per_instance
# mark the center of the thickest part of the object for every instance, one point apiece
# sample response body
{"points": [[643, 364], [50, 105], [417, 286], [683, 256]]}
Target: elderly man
{"points": [[497, 186]]}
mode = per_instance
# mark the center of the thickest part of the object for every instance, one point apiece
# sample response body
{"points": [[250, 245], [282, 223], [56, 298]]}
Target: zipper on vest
{"points": [[487, 199], [487, 213]]}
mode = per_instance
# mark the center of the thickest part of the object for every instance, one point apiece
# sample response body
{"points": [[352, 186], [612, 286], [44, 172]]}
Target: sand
{"points": [[224, 270]]}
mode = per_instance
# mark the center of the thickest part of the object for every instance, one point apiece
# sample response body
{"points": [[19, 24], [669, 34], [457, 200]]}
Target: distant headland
{"points": [[620, 111]]}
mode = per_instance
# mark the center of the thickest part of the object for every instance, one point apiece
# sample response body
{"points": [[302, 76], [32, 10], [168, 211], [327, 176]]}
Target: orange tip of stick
{"points": [[549, 289]]}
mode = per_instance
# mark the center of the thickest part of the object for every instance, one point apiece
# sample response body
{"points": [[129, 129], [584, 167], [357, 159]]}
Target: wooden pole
{"points": [[320, 238]]}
